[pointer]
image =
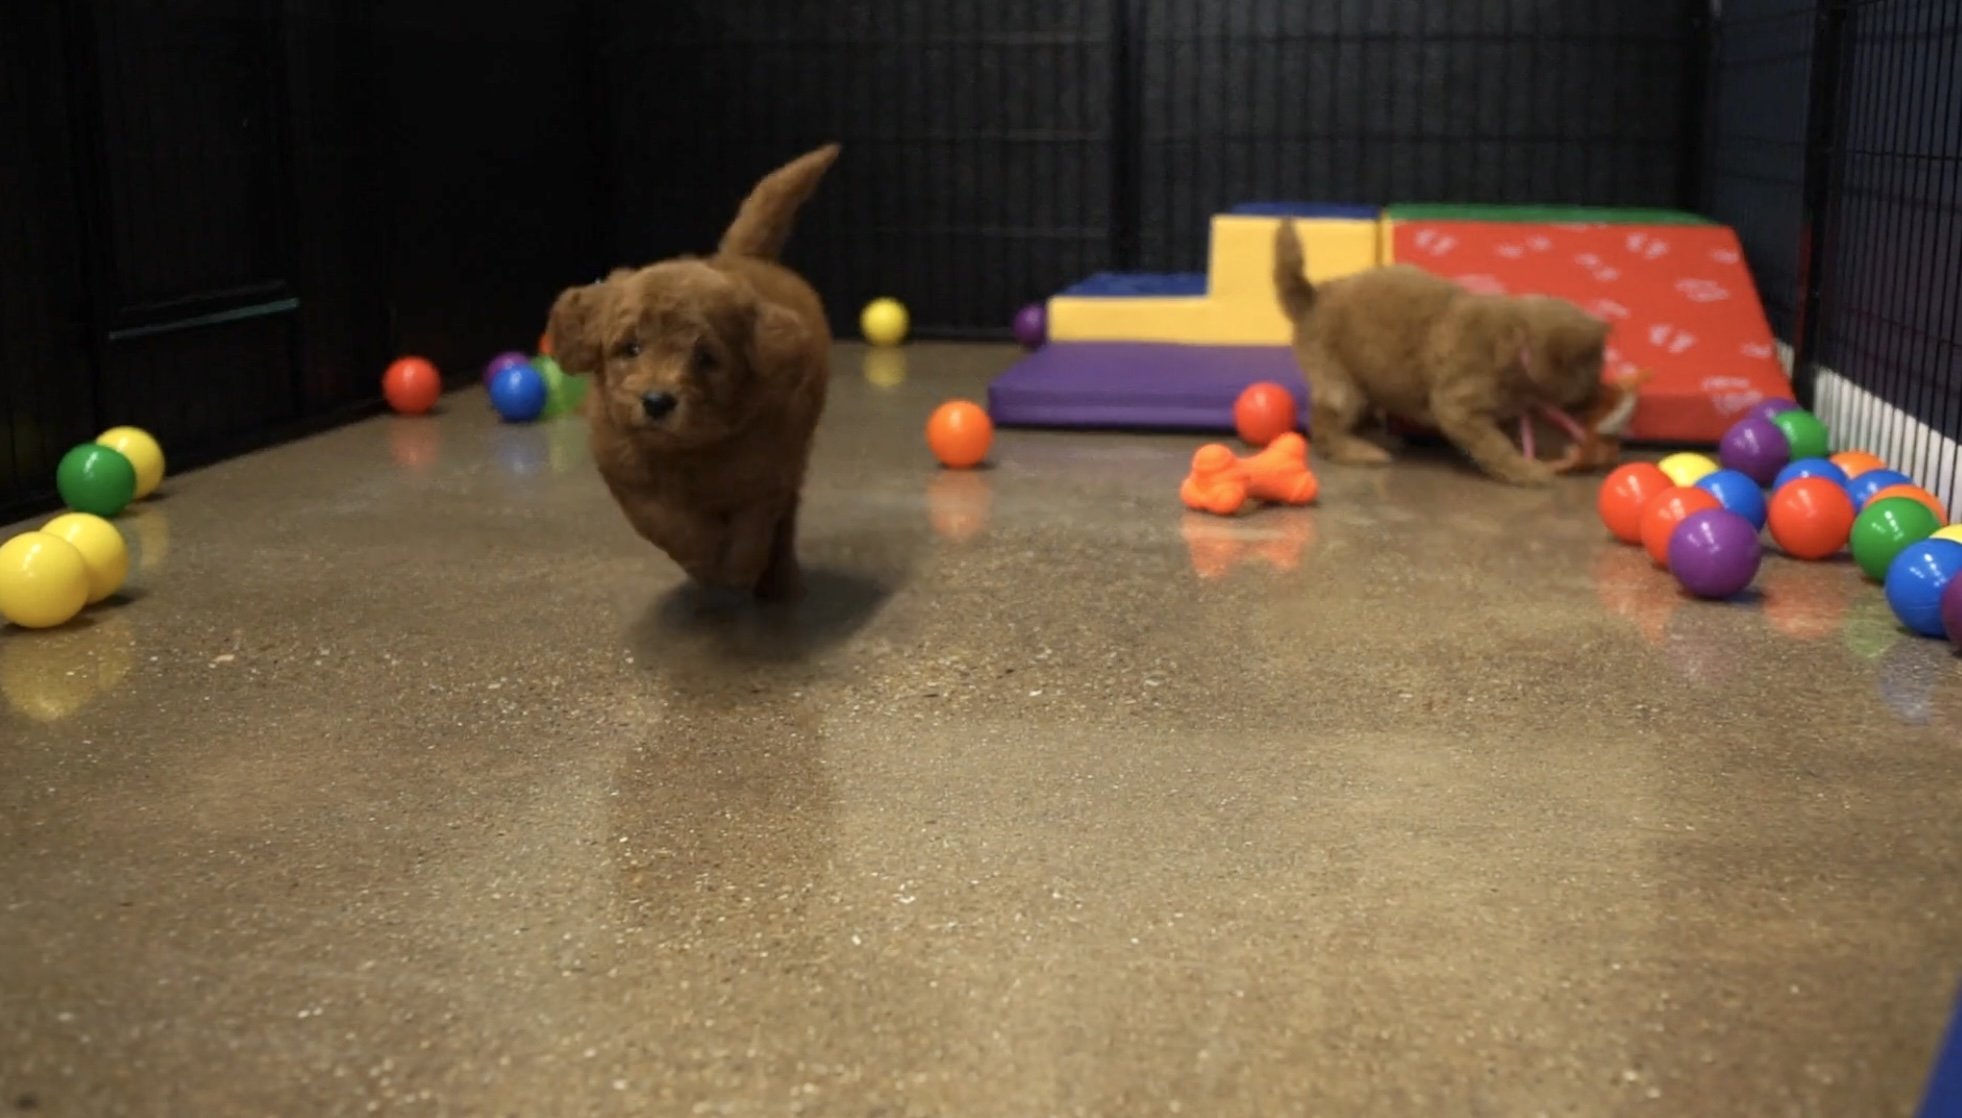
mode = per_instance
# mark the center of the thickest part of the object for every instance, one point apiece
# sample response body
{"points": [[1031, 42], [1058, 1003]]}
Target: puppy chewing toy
{"points": [[1221, 482], [1596, 434]]}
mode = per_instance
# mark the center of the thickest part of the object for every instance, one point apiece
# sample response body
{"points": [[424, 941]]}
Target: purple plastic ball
{"points": [[1756, 448], [1032, 326], [1770, 408], [502, 362], [1715, 553], [1952, 611]]}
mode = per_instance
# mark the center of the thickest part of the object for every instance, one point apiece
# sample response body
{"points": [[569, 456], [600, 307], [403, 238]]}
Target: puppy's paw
{"points": [[1526, 472], [783, 582], [1357, 452]]}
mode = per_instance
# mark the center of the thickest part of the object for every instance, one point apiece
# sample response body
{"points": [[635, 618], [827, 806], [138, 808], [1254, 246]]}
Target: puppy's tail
{"points": [[763, 223], [1291, 284]]}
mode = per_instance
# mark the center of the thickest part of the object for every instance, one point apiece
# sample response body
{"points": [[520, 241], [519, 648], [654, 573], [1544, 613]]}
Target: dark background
{"points": [[223, 217]]}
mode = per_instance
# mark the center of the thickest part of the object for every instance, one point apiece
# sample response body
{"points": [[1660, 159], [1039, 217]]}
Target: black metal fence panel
{"points": [[1890, 302]]}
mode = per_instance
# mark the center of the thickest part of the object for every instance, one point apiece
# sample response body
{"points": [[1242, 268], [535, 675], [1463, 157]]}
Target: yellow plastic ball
{"points": [[1952, 532], [1685, 468], [135, 444], [43, 581], [883, 322], [102, 548]]}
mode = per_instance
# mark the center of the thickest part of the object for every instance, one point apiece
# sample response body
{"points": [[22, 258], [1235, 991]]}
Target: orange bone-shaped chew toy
{"points": [[1221, 483], [1280, 473], [1217, 483]]}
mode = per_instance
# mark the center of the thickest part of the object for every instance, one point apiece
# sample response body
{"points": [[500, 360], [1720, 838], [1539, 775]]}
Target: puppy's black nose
{"points": [[657, 405]]}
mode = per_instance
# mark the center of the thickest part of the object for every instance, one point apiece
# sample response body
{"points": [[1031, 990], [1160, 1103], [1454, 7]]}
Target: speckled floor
{"points": [[406, 780]]}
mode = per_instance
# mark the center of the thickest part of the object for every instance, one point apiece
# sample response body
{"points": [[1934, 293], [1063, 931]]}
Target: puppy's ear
{"points": [[776, 336], [577, 339]]}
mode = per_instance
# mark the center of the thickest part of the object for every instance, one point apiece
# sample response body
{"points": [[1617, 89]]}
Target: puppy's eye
{"points": [[628, 349], [702, 361]]}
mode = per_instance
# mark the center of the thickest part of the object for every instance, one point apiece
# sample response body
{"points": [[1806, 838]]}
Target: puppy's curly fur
{"points": [[1399, 341], [710, 376]]}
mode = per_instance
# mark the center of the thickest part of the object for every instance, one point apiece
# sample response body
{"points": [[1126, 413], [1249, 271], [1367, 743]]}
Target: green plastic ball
{"points": [[562, 390], [95, 479], [1885, 528], [1803, 430]]}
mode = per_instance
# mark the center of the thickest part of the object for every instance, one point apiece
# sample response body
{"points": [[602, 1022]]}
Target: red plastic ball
{"points": [[411, 385], [1810, 517], [1623, 496], [1264, 412], [1667, 509]]}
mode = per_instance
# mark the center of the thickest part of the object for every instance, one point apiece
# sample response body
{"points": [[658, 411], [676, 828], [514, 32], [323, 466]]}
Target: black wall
{"points": [[1577, 101], [999, 151], [46, 387], [225, 216], [1755, 180], [979, 141]]}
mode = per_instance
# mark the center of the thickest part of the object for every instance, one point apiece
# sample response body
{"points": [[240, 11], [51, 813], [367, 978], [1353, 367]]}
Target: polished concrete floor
{"points": [[407, 779]]}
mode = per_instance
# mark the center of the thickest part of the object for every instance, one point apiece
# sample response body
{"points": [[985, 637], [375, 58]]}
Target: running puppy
{"points": [[710, 375], [1400, 341]]}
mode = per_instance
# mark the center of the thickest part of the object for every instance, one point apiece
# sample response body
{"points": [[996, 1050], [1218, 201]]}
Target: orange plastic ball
{"points": [[959, 434], [1810, 517], [545, 343], [1264, 412], [1623, 496], [1667, 509], [1857, 461], [411, 385], [1912, 493]]}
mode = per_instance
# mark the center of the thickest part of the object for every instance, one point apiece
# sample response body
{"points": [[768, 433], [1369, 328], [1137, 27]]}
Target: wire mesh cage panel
{"points": [[1756, 155], [1375, 101], [1890, 312], [978, 141]]}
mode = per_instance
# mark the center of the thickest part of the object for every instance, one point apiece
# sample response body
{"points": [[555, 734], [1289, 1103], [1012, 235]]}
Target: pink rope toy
{"points": [[1560, 418]]}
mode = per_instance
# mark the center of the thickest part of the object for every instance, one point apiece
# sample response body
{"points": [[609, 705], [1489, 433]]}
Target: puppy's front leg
{"points": [[1478, 434], [783, 578], [748, 546]]}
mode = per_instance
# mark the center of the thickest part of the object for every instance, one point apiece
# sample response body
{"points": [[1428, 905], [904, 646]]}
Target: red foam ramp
{"points": [[1682, 303]]}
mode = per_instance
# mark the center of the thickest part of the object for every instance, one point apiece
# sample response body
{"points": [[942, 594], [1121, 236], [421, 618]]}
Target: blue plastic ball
{"points": [[1736, 492], [1810, 467], [518, 392], [1916, 579], [1862, 488]]}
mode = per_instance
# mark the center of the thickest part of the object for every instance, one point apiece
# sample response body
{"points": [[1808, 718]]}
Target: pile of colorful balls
{"points": [[1701, 520], [522, 389]]}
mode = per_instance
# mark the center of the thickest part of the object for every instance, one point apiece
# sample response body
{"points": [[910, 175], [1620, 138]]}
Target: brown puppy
{"points": [[710, 375], [1400, 341]]}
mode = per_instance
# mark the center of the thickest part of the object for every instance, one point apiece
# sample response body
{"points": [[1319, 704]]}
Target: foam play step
{"points": [[1137, 385], [1681, 300], [1233, 303]]}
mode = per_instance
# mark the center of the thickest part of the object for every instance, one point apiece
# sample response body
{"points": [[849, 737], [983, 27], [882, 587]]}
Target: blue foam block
{"points": [[1339, 210], [1132, 285]]}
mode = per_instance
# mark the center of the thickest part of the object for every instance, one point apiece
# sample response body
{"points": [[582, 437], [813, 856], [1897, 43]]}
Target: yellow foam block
{"points": [[1241, 265], [1195, 321], [1239, 306]]}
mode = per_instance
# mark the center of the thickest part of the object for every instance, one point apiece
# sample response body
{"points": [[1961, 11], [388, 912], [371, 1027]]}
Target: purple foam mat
{"points": [[1138, 385]]}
